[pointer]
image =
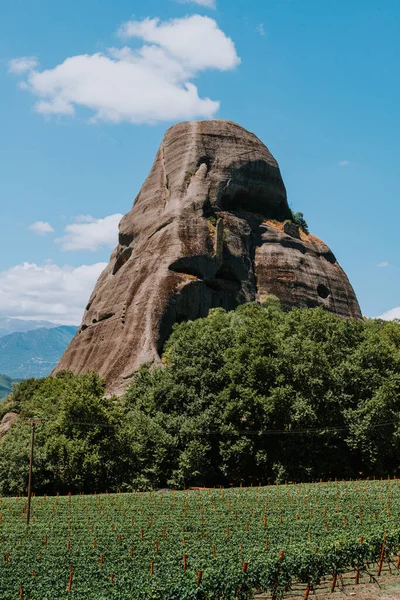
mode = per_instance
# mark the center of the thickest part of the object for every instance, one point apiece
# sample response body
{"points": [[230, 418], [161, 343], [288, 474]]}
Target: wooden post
{"points": [[381, 560], [70, 579], [28, 512], [358, 566], [199, 577], [334, 582]]}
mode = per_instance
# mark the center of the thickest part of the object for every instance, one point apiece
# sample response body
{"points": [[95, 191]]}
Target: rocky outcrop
{"points": [[7, 422], [207, 229]]}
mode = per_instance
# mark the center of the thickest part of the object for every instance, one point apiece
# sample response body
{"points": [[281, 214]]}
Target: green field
{"points": [[153, 545]]}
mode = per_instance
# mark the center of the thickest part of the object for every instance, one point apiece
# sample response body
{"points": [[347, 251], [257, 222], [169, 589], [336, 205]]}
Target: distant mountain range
{"points": [[10, 325], [34, 353], [6, 385]]}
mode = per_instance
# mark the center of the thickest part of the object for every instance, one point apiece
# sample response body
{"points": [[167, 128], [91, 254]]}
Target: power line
{"points": [[259, 432]]}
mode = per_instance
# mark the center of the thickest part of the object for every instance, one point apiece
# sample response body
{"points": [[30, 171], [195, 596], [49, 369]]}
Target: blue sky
{"points": [[316, 80]]}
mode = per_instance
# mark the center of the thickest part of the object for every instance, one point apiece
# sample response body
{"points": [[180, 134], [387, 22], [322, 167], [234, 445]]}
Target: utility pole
{"points": [[28, 514]]}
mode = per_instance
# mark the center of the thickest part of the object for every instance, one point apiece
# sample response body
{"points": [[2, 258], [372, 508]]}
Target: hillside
{"points": [[6, 385], [33, 353], [10, 325]]}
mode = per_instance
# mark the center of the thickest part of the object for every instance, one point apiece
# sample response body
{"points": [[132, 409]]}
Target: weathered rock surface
{"points": [[206, 230], [7, 422]]}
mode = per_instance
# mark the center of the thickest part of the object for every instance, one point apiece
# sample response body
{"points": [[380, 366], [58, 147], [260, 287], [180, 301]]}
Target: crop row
{"points": [[214, 543]]}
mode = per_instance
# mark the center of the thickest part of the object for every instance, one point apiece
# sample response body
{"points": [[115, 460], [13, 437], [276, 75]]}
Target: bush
{"points": [[298, 219], [256, 394]]}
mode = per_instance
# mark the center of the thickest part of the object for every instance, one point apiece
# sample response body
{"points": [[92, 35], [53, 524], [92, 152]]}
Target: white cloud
{"points": [[90, 234], [389, 315], [47, 292], [260, 29], [41, 227], [147, 84], [84, 219], [383, 264], [205, 3], [196, 42], [344, 163], [22, 65]]}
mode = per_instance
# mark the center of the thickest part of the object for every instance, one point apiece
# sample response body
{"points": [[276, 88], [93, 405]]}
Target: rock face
{"points": [[7, 422], [207, 229]]}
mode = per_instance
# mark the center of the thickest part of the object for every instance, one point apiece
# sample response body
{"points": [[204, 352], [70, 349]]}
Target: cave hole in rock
{"points": [[225, 279], [254, 200], [183, 266], [208, 209], [227, 272], [323, 291], [204, 160]]}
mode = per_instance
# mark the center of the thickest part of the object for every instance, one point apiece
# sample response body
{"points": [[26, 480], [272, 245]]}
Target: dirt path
{"points": [[385, 587]]}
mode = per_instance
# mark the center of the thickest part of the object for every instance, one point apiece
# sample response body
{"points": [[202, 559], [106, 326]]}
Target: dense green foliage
{"points": [[298, 219], [72, 450], [256, 394], [235, 379], [111, 541]]}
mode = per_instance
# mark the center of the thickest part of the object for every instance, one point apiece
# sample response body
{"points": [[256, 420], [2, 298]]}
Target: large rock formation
{"points": [[207, 229]]}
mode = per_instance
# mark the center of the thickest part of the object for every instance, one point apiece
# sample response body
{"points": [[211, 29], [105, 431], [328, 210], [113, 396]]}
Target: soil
{"points": [[385, 587]]}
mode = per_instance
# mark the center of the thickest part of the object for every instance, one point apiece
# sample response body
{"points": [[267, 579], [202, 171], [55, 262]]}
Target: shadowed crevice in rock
{"points": [[255, 187], [161, 227], [330, 257], [125, 239], [225, 280], [193, 266], [206, 230], [106, 316], [123, 256]]}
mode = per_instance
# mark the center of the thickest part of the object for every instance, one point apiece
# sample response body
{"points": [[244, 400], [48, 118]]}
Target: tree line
{"points": [[252, 395]]}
